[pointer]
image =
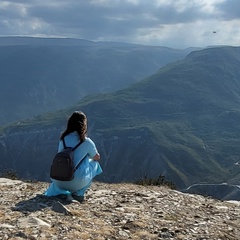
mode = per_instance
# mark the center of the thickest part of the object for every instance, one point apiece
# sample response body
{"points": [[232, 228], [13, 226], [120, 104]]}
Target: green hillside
{"points": [[39, 75], [182, 122]]}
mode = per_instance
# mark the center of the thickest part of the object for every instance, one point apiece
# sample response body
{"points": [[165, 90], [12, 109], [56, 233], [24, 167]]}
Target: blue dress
{"points": [[83, 176]]}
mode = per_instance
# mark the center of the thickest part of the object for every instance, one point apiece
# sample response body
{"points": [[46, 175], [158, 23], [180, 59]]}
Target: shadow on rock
{"points": [[40, 202]]}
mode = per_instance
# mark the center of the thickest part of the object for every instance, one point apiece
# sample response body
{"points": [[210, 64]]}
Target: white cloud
{"points": [[174, 23]]}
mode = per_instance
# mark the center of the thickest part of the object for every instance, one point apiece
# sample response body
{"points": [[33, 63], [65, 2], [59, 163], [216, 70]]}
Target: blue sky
{"points": [[171, 23]]}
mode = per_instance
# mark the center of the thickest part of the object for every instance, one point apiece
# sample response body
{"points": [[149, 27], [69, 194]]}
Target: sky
{"points": [[170, 23]]}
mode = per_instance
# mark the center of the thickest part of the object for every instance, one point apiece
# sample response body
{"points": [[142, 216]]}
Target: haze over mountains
{"points": [[40, 75], [181, 122]]}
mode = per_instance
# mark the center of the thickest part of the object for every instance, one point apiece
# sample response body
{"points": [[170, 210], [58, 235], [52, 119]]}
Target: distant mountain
{"points": [[218, 191], [16, 41], [182, 123], [39, 75]]}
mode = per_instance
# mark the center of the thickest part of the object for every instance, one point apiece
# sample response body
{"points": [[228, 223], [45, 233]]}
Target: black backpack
{"points": [[62, 167]]}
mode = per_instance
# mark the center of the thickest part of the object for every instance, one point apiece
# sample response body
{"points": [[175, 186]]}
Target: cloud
{"points": [[174, 23], [229, 9]]}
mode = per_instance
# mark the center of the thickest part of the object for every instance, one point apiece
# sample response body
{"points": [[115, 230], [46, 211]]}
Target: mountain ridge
{"points": [[43, 75], [181, 122]]}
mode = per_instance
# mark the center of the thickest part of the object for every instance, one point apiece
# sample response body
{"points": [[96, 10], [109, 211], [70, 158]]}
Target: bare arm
{"points": [[96, 157]]}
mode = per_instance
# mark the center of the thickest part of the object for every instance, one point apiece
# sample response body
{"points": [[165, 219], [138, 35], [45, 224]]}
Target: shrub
{"points": [[159, 181], [9, 173]]}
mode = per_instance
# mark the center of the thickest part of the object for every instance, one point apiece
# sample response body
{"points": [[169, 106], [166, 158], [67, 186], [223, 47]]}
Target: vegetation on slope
{"points": [[181, 122]]}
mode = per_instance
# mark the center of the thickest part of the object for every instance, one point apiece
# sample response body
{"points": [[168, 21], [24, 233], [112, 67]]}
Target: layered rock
{"points": [[114, 211]]}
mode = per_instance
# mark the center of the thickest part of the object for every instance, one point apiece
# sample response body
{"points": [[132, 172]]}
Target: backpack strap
{"points": [[65, 146], [77, 166], [76, 146]]}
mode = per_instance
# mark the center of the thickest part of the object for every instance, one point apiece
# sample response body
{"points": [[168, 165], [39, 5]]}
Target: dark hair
{"points": [[77, 122]]}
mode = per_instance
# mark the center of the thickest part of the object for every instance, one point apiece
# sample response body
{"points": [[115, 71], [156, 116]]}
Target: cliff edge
{"points": [[114, 211]]}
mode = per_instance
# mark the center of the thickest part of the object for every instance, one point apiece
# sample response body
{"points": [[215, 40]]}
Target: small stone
{"points": [[123, 234], [59, 207], [6, 226], [138, 199], [32, 221]]}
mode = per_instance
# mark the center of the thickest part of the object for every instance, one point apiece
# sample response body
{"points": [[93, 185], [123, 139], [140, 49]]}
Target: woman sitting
{"points": [[88, 168]]}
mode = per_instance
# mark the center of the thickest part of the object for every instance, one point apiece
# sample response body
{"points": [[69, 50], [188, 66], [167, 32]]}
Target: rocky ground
{"points": [[114, 211]]}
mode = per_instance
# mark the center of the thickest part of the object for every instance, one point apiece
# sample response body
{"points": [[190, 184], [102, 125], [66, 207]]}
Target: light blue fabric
{"points": [[83, 176]]}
